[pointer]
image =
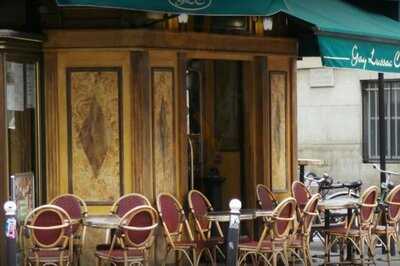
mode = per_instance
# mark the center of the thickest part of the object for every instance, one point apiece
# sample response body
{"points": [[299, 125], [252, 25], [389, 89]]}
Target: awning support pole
{"points": [[382, 125]]}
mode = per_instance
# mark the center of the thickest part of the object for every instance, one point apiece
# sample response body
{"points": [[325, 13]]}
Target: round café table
{"points": [[329, 205], [109, 222], [245, 214]]}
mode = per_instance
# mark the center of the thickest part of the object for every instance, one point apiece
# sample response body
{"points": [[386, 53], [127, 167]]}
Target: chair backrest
{"points": [[301, 194], [310, 212], [138, 226], [282, 218], [265, 198], [127, 202], [49, 226], [199, 206], [172, 216], [74, 206], [393, 202], [368, 203]]}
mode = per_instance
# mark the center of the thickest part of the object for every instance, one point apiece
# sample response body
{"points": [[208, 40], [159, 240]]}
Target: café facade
{"points": [[102, 102]]}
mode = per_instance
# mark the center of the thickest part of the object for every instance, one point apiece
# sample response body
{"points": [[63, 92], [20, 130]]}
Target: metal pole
{"points": [[382, 126], [11, 233], [233, 233]]}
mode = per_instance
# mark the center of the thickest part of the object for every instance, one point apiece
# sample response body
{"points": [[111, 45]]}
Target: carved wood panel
{"points": [[163, 130], [279, 150], [95, 139]]}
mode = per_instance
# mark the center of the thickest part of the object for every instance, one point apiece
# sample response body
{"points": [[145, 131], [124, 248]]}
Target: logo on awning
{"points": [[191, 5]]}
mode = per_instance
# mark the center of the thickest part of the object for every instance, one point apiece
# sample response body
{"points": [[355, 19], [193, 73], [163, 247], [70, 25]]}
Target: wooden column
{"points": [[3, 156], [52, 124], [141, 125]]}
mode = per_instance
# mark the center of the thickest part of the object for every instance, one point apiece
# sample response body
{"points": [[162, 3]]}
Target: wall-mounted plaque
{"points": [[322, 77], [95, 138]]}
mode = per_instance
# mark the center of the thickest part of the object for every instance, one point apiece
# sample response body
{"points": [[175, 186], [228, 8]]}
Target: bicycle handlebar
{"points": [[375, 166]]}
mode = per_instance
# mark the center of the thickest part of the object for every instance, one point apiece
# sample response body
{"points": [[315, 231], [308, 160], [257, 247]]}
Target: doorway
{"points": [[214, 98]]}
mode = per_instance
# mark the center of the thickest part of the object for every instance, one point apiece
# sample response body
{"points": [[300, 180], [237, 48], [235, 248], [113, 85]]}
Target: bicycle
{"points": [[326, 183]]}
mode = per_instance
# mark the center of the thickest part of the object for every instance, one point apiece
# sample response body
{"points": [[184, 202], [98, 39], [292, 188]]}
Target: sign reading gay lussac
{"points": [[348, 53]]}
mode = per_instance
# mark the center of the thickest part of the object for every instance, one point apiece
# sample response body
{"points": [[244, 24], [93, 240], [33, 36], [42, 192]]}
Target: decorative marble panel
{"points": [[95, 161], [278, 132], [163, 129]]}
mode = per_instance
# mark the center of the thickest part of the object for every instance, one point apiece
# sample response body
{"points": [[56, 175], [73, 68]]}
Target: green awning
{"points": [[347, 35]]}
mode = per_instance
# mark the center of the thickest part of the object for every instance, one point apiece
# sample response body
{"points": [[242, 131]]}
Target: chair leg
{"points": [[388, 248], [362, 250]]}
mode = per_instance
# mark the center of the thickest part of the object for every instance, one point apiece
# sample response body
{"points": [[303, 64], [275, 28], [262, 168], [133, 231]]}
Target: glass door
{"points": [[22, 133]]}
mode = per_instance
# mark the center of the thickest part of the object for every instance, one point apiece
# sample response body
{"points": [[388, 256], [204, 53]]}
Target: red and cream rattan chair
{"points": [[77, 210], [199, 206], [133, 238], [358, 230], [49, 228], [177, 231], [265, 198], [122, 206], [392, 218], [274, 237], [301, 193], [127, 202], [299, 242]]}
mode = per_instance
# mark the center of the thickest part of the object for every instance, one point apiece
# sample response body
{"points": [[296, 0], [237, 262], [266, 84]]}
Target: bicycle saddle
{"points": [[353, 185]]}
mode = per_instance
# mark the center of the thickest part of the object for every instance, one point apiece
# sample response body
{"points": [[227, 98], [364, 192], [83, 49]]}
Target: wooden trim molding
{"points": [[118, 71], [52, 124], [145, 39], [3, 155]]}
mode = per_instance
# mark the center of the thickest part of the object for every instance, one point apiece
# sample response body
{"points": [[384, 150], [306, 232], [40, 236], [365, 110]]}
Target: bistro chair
{"points": [[133, 238], [177, 231], [301, 193], [122, 206], [391, 217], [49, 228], [265, 198], [127, 202], [199, 206], [358, 230], [274, 238], [77, 210], [300, 240]]}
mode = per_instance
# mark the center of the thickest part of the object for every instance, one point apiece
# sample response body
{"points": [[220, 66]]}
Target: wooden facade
{"points": [[115, 112]]}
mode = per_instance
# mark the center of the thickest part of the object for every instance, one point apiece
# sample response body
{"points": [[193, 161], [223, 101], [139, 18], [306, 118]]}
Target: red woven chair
{"points": [[122, 206], [300, 240], [177, 231], [358, 230], [127, 202], [199, 206], [77, 210], [50, 230], [274, 237], [134, 237], [265, 198], [392, 218], [301, 193]]}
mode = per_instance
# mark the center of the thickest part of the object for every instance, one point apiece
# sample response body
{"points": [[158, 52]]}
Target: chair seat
{"points": [[267, 245], [196, 243], [296, 242], [49, 255], [218, 239], [381, 229], [119, 255], [342, 231]]}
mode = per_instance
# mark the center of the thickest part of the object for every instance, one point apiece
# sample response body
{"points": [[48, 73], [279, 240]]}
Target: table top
{"points": [[310, 162], [339, 203], [245, 214], [103, 221]]}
